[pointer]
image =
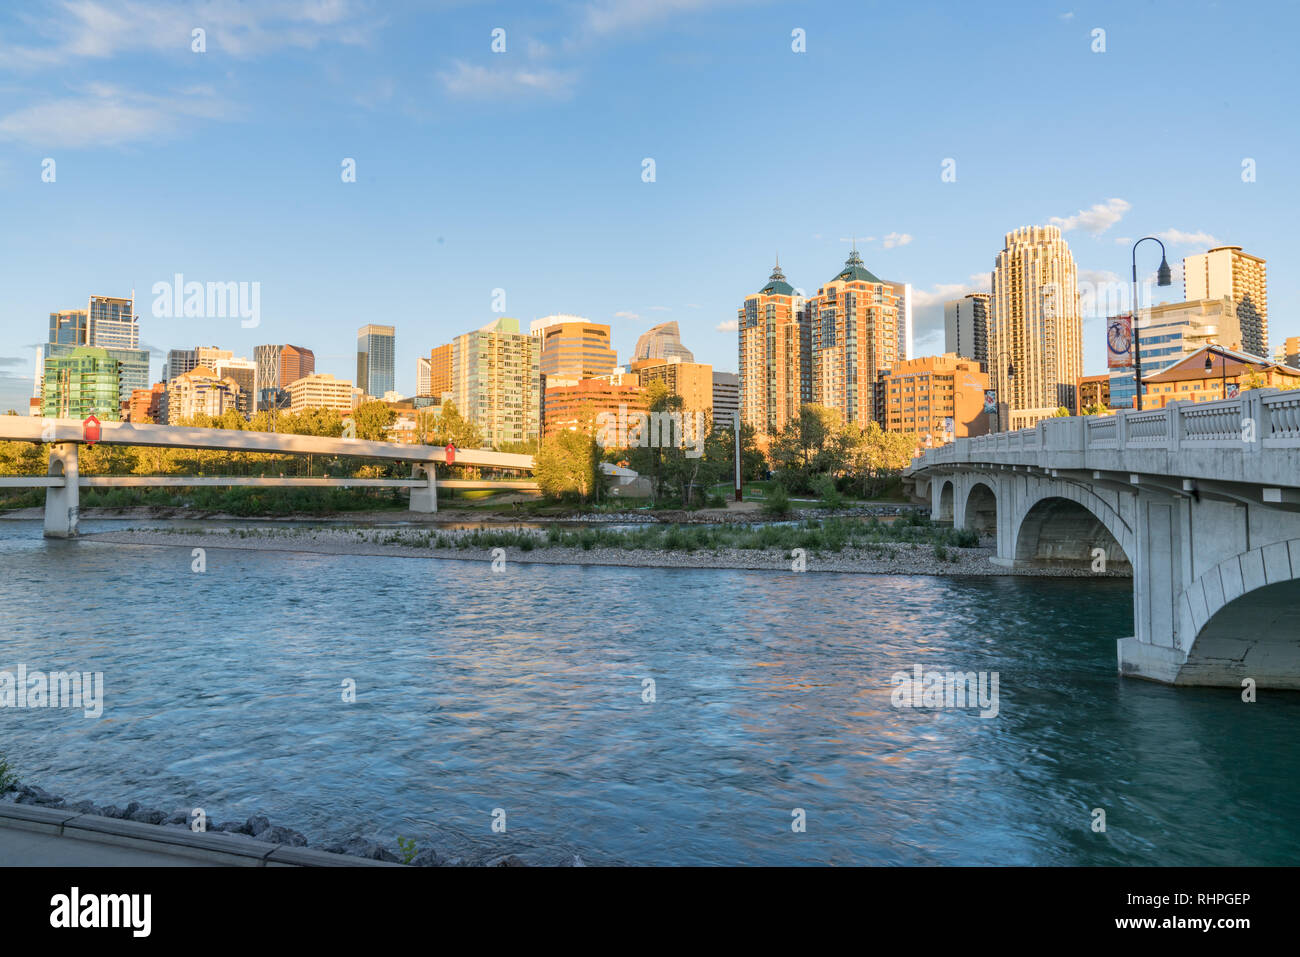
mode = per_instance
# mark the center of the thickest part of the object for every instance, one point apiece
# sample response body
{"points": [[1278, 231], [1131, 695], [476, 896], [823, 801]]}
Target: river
{"points": [[524, 690]]}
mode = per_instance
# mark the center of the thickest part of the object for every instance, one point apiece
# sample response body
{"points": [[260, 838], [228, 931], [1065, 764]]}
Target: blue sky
{"points": [[522, 170]]}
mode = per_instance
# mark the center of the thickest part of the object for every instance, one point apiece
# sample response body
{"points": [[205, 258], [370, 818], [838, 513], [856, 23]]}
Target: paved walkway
{"points": [[19, 848]]}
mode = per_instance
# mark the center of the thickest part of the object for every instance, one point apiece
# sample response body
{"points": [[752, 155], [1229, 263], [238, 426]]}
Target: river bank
{"points": [[877, 558]]}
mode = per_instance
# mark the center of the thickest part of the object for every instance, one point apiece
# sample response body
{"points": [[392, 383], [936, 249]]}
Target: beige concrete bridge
{"points": [[1200, 500], [65, 436]]}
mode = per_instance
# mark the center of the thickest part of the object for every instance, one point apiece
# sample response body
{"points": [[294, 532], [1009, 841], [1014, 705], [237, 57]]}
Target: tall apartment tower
{"points": [[775, 356], [1036, 327], [966, 327], [858, 331], [112, 323], [1227, 271], [376, 360], [576, 349], [663, 341], [496, 381], [278, 367]]}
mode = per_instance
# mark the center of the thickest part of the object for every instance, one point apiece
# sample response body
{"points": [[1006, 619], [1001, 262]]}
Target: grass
{"points": [[814, 535]]}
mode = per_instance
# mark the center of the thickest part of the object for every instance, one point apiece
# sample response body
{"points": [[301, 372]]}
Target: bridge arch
{"points": [[944, 498], [1242, 613], [981, 511], [1064, 524]]}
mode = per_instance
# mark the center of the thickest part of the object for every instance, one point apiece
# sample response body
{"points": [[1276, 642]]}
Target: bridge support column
{"points": [[424, 499], [62, 504]]}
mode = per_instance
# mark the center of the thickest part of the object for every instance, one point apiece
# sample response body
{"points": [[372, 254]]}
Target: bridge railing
{"points": [[1255, 420]]}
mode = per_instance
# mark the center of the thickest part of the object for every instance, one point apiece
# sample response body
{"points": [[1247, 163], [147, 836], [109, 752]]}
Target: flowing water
{"points": [[524, 691]]}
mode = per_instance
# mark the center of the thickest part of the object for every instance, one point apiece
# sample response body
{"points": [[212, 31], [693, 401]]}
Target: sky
{"points": [[518, 177]]}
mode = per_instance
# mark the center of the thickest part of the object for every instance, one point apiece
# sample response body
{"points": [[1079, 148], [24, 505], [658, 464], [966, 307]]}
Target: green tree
{"points": [[1062, 412], [814, 442], [568, 466], [449, 426], [373, 420]]}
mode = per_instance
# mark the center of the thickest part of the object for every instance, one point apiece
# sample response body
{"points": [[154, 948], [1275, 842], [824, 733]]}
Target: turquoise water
{"points": [[523, 691]]}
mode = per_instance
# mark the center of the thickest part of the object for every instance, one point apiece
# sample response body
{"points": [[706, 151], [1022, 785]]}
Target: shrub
{"points": [[777, 501]]}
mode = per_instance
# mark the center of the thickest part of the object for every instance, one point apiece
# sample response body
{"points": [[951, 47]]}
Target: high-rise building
{"points": [[79, 382], [775, 376], [577, 406], [726, 400], [1227, 271], [146, 405], [496, 381], [693, 381], [663, 341], [966, 327], [936, 398], [210, 355], [1036, 329], [321, 391], [440, 381], [278, 367], [576, 350], [376, 362], [111, 323], [537, 325], [200, 392], [1291, 351], [243, 372], [423, 376], [132, 366], [858, 331], [1172, 330], [68, 327], [179, 362]]}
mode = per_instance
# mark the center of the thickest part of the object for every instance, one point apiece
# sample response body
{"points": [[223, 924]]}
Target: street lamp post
{"points": [[1163, 278], [1223, 371]]}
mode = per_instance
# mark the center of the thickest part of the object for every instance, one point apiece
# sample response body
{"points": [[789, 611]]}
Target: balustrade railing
{"points": [[1256, 419]]}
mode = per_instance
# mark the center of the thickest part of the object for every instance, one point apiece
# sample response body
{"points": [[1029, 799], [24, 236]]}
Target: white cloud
{"points": [[1068, 16], [1096, 219], [468, 80], [108, 116], [897, 239], [660, 309], [731, 325], [1178, 237], [102, 29], [627, 315], [602, 18]]}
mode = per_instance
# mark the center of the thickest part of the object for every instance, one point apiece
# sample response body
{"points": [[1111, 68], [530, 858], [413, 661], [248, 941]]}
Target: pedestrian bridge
{"points": [[1200, 500], [63, 481]]}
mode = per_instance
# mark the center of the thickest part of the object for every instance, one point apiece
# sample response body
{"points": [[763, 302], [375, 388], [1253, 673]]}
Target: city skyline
{"points": [[326, 252]]}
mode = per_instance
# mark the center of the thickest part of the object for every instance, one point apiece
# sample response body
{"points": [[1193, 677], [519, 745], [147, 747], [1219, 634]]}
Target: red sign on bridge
{"points": [[91, 430]]}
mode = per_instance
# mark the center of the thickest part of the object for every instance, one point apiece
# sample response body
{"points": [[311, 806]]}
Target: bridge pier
{"points": [[62, 504], [424, 499]]}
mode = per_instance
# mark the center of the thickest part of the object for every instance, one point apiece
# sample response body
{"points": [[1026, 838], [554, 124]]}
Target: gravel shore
{"points": [[886, 558]]}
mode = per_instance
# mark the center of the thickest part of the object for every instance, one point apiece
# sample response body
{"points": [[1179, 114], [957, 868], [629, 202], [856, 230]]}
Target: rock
{"points": [[147, 816], [131, 809], [428, 858], [508, 860], [84, 807], [256, 825], [282, 835], [180, 817], [359, 847]]}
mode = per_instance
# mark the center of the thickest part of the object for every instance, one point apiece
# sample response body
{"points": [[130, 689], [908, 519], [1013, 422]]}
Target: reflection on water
{"points": [[523, 690]]}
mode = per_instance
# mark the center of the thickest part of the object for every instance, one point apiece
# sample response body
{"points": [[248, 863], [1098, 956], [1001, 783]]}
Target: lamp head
{"points": [[1163, 276], [1209, 363]]}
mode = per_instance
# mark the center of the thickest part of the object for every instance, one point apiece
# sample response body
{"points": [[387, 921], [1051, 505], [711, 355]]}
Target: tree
{"points": [[451, 427], [568, 465], [813, 442], [1061, 412], [877, 457], [373, 420]]}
